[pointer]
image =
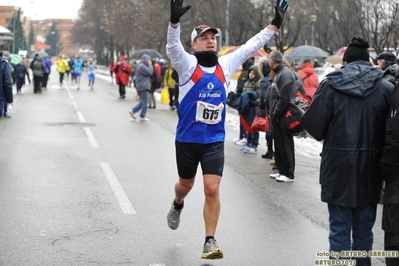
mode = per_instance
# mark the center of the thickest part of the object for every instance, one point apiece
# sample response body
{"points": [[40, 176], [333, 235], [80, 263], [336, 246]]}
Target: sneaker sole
{"points": [[285, 181], [214, 255], [132, 115]]}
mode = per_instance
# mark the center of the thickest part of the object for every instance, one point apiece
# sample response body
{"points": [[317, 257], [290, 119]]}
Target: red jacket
{"points": [[123, 71], [310, 79]]}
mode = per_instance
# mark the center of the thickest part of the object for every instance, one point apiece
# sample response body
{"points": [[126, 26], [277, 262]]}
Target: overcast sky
{"points": [[42, 9]]}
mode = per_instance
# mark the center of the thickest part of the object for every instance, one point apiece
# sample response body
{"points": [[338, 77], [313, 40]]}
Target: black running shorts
{"points": [[189, 155]]}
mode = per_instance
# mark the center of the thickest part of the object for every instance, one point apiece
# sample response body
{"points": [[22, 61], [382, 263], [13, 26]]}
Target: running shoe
{"points": [[173, 217], [132, 114], [212, 251]]}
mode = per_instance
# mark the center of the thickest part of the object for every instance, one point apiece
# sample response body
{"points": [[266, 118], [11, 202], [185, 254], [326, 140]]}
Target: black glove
{"points": [[280, 9], [177, 10]]}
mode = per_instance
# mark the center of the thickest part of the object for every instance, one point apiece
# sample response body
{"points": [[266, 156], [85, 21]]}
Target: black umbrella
{"points": [[304, 52], [40, 53], [151, 52]]}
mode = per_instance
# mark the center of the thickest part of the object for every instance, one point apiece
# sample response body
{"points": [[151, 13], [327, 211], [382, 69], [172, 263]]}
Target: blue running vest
{"points": [[202, 111]]}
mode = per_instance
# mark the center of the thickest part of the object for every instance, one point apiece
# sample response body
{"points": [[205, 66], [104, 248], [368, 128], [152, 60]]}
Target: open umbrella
{"points": [[40, 53], [151, 52], [15, 59], [304, 52], [334, 59], [256, 54]]}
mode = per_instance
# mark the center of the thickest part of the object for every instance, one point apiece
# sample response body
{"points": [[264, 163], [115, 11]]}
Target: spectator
{"points": [[247, 109], [353, 138], [309, 78], [386, 61], [122, 70], [38, 68], [144, 72], [46, 72], [6, 96], [282, 92], [265, 69], [390, 174], [242, 137], [170, 83], [20, 73]]}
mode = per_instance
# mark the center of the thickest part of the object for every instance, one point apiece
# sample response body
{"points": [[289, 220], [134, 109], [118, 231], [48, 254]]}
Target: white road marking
{"points": [[69, 92], [120, 194], [75, 105], [81, 117], [91, 138]]}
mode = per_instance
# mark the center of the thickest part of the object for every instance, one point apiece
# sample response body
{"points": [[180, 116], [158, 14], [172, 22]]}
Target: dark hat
{"points": [[357, 50], [388, 56], [201, 29]]}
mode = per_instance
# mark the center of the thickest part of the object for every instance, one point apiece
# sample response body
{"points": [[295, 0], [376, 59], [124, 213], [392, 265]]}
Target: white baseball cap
{"points": [[201, 29]]}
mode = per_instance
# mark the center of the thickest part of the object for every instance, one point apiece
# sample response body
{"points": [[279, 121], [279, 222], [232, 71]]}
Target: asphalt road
{"points": [[81, 183]]}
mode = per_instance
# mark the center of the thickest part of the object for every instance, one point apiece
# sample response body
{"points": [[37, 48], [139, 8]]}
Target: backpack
{"points": [[303, 101]]}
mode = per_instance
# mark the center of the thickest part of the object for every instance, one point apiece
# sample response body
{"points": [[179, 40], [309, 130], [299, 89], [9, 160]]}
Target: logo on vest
{"points": [[210, 86]]}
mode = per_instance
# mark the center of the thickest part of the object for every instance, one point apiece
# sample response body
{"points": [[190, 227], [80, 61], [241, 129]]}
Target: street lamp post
{"points": [[313, 19], [14, 32], [227, 21]]}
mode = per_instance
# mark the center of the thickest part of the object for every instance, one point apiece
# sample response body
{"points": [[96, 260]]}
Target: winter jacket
{"points": [[47, 64], [389, 73], [123, 71], [38, 67], [20, 72], [168, 79], [244, 75], [282, 91], [143, 74], [348, 112], [244, 106], [309, 78], [62, 65], [390, 158], [253, 84], [6, 95]]}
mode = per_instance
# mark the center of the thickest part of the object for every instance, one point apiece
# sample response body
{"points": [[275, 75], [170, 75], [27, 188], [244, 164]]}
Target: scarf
{"points": [[207, 59]]}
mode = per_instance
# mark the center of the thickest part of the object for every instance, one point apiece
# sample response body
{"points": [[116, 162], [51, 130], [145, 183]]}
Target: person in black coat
{"points": [[390, 174], [20, 73], [6, 96], [348, 113], [265, 69], [242, 137], [282, 93]]}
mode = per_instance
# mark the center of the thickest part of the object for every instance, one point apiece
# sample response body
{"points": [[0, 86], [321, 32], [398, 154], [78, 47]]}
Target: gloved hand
{"points": [[280, 7], [177, 10]]}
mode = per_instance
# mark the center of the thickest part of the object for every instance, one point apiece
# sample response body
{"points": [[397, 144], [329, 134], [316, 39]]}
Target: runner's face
{"points": [[205, 42]]}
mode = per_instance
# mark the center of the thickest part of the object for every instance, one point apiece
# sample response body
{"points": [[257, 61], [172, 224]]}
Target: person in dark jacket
{"points": [[390, 174], [20, 73], [253, 85], [282, 92], [265, 69], [386, 62], [242, 137], [348, 113], [38, 68], [46, 72], [6, 96], [144, 72]]}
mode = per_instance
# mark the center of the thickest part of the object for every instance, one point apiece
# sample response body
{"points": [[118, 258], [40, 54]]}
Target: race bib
{"points": [[209, 113]]}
